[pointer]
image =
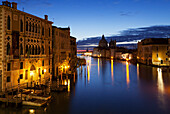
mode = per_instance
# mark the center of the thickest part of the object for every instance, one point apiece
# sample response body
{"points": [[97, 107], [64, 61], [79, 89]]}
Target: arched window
{"points": [[42, 30], [27, 26], [29, 50], [49, 32], [21, 26], [26, 50], [21, 49], [42, 49], [49, 50], [30, 27], [32, 50], [35, 28], [35, 50], [8, 49], [38, 28], [39, 50], [8, 23]]}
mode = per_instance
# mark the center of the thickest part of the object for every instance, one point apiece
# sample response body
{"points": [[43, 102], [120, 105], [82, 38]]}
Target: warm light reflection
{"points": [[44, 70], [88, 68], [127, 73], [160, 81], [112, 69], [98, 66], [138, 71], [68, 85]]}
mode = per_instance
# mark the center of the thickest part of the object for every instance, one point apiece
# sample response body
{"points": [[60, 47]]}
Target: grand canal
{"points": [[108, 87]]}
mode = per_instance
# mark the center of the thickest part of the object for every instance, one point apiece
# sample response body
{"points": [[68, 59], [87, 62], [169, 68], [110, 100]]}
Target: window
{"points": [[26, 75], [21, 49], [29, 51], [49, 32], [32, 50], [27, 26], [8, 79], [42, 62], [8, 23], [21, 65], [8, 49], [42, 30], [30, 27], [49, 50], [26, 48], [42, 49], [21, 26], [35, 28], [8, 66], [42, 71], [49, 62], [49, 70], [38, 28], [36, 50], [21, 76]]}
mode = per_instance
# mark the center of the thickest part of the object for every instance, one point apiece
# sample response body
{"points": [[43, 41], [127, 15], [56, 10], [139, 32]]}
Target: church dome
{"points": [[103, 42], [112, 43]]}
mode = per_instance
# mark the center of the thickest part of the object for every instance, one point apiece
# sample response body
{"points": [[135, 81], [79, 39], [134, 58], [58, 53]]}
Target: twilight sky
{"points": [[88, 18]]}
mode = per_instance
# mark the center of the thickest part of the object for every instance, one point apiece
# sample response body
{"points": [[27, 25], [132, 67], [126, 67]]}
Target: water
{"points": [[111, 87]]}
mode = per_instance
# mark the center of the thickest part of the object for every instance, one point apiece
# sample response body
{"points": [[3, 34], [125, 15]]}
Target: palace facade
{"points": [[25, 47], [154, 51]]}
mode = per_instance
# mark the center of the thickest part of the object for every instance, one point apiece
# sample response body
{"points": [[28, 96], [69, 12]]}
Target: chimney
{"points": [[14, 5], [46, 17]]}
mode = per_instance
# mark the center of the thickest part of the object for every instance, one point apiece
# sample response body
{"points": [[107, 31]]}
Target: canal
{"points": [[109, 87]]}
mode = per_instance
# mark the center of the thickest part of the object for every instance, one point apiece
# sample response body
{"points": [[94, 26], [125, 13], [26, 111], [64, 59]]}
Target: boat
{"points": [[34, 102]]}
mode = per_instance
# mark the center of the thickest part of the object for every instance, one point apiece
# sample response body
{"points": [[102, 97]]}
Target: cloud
{"points": [[127, 13]]}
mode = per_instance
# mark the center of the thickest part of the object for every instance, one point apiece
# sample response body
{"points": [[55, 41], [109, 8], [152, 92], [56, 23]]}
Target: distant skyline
{"points": [[90, 18]]}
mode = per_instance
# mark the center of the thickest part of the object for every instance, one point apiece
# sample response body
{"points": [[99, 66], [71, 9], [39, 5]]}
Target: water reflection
{"points": [[127, 73], [161, 89], [112, 70], [88, 68], [160, 81], [98, 67], [138, 71]]}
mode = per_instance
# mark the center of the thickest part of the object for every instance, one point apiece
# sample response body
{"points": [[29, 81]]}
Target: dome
{"points": [[103, 42], [112, 43]]}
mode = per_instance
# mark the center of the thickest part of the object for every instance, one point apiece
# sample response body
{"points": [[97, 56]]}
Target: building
{"points": [[73, 56], [154, 51], [25, 47], [61, 50], [103, 50]]}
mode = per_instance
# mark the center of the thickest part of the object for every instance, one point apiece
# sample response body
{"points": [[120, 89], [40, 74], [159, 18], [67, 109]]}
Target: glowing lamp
{"points": [[31, 73], [31, 111], [44, 70], [159, 58]]}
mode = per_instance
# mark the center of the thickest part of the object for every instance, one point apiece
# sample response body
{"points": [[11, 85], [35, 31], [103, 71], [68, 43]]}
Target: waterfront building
{"points": [[103, 50], [25, 47], [61, 50], [73, 56], [154, 51]]}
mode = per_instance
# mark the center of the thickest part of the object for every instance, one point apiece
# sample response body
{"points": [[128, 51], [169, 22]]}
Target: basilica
{"points": [[103, 50]]}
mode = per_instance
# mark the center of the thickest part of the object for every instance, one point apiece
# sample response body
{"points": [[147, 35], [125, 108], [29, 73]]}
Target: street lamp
{"points": [[45, 70]]}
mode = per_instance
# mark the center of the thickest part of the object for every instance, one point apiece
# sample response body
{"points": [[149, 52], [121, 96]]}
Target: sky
{"points": [[90, 18]]}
